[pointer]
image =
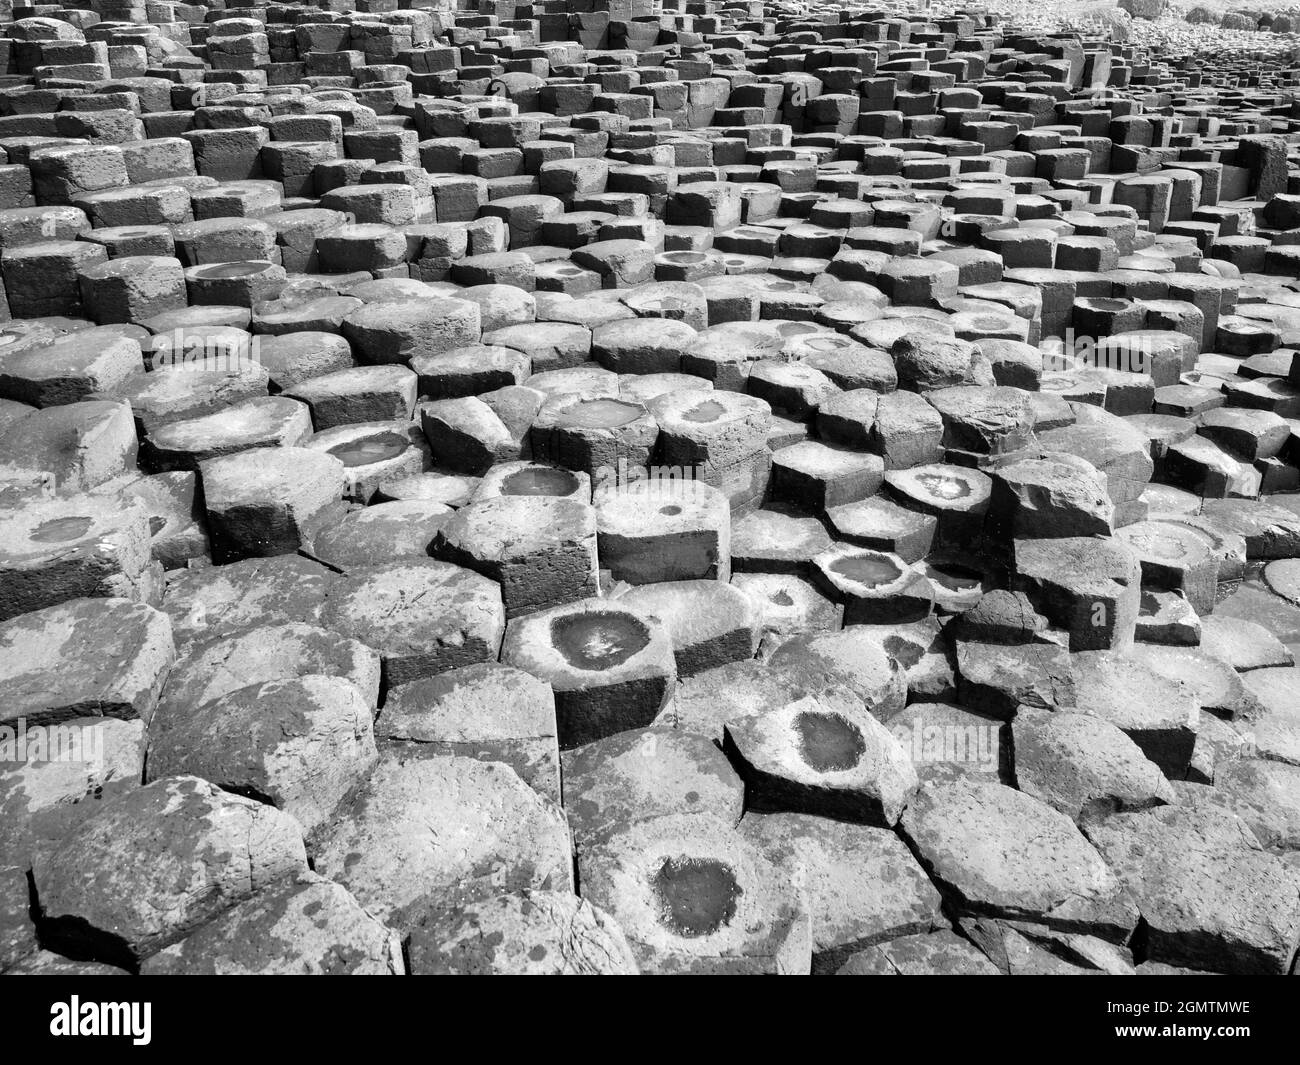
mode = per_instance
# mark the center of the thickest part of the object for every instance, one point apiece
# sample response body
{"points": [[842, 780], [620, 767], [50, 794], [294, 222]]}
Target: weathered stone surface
{"points": [[941, 953], [1089, 586], [997, 851], [422, 617], [84, 658], [1160, 715], [863, 884], [709, 623], [1084, 766], [53, 777], [647, 773], [541, 550], [74, 547], [156, 864], [422, 831], [693, 896], [531, 933], [611, 666], [488, 711], [221, 600], [1210, 897], [823, 754], [301, 926], [217, 667], [300, 745], [856, 658]]}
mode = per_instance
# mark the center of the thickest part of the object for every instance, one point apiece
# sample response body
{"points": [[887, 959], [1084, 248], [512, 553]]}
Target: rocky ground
{"points": [[616, 486]]}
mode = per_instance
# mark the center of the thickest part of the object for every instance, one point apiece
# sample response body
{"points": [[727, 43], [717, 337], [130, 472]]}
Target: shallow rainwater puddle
{"points": [[598, 641], [371, 449], [697, 896]]}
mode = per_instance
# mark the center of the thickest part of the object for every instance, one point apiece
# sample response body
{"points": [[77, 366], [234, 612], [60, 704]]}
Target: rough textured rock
{"points": [[300, 926], [87, 657], [1210, 897], [445, 829], [863, 884], [300, 745], [1084, 766], [533, 933], [156, 864], [693, 896], [1000, 852], [647, 773]]}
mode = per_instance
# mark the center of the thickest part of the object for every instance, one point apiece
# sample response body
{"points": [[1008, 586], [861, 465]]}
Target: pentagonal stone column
{"points": [[219, 600], [647, 773], [70, 368], [362, 394], [400, 330], [816, 476], [154, 898], [261, 422], [956, 496], [1175, 558], [382, 532], [132, 289], [472, 434], [215, 667]]}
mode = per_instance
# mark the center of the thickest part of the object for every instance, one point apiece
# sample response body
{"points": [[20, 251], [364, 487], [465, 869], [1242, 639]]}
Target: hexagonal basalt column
{"points": [[611, 666], [540, 549], [594, 435]]}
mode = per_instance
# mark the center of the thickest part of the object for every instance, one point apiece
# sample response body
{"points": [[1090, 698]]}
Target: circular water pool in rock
{"points": [[941, 487], [870, 571], [600, 640], [708, 411], [602, 414], [828, 743], [696, 896], [539, 481], [370, 449], [670, 511], [227, 270], [59, 530]]}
